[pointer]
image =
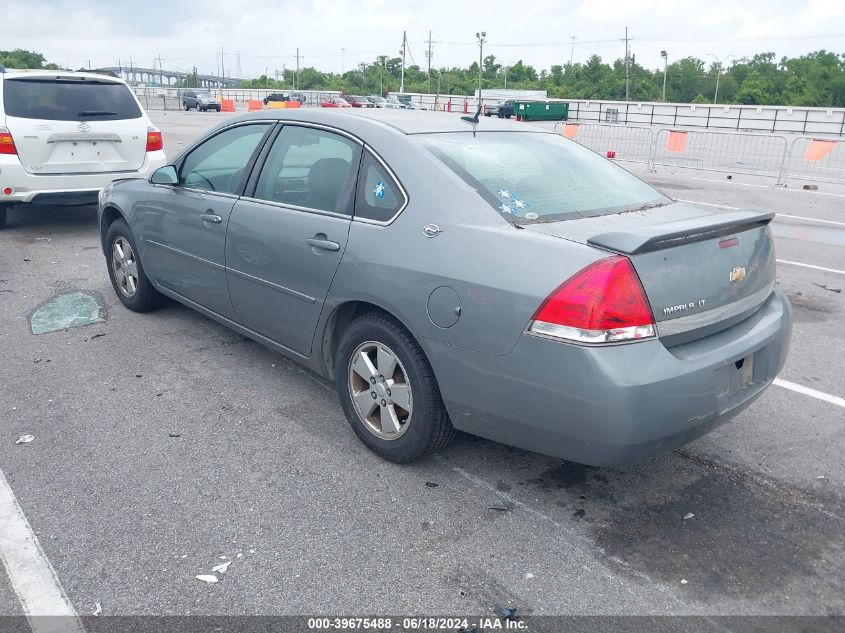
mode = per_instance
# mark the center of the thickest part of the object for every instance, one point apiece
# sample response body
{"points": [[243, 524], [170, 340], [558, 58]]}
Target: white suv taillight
{"points": [[7, 143], [154, 140], [603, 303]]}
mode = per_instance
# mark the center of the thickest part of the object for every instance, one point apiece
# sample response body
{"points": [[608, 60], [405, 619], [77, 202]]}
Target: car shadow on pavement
{"points": [[682, 517], [51, 218]]}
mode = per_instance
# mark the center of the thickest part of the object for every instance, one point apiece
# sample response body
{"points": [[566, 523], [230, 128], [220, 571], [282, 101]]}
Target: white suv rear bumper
{"points": [[28, 187]]}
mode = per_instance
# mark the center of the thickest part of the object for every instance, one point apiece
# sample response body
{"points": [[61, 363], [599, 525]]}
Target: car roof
{"points": [[16, 73], [421, 122]]}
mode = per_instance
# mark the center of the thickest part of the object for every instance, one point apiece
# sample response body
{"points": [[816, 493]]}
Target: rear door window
{"points": [[379, 196], [69, 100], [311, 168]]}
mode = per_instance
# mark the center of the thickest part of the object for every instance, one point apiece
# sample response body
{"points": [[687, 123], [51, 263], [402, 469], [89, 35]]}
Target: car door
{"points": [[183, 226], [286, 239]]}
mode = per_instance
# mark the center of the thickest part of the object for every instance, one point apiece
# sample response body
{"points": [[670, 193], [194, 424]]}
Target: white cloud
{"points": [[267, 32]]}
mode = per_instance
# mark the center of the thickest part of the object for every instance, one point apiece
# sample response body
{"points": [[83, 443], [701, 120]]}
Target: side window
{"points": [[309, 167], [218, 164], [379, 196]]}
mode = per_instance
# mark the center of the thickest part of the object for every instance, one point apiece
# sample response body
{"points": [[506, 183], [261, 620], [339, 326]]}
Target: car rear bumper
{"points": [[64, 189], [611, 405]]}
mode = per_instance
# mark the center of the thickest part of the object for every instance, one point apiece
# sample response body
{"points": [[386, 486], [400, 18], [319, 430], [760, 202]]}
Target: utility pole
{"points": [[402, 78], [665, 57], [719, 65], [89, 64], [222, 68], [296, 74], [627, 71], [428, 57], [238, 63], [266, 77], [571, 50], [480, 37]]}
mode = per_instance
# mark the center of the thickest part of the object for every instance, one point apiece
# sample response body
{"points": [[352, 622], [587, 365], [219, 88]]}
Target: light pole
{"points": [[665, 57], [480, 37], [719, 64]]}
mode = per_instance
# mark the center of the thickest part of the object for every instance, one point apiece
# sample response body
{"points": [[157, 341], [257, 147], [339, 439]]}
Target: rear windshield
{"points": [[69, 100], [529, 176]]}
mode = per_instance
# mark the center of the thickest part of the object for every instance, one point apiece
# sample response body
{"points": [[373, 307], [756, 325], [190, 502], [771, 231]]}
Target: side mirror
{"points": [[165, 176]]}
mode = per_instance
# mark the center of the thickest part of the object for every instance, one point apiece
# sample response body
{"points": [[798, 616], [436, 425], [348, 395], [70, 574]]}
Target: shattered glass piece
{"points": [[74, 309]]}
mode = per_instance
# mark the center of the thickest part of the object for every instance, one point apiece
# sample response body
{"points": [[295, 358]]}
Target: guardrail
{"points": [[766, 155]]}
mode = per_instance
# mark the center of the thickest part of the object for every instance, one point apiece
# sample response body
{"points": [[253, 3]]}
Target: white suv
{"points": [[66, 135]]}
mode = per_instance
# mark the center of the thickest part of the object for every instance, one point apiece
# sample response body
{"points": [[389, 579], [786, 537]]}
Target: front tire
{"points": [[126, 272], [406, 420]]}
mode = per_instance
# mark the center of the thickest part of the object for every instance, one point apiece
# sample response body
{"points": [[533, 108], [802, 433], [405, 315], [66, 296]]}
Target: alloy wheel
{"points": [[124, 267], [380, 391]]}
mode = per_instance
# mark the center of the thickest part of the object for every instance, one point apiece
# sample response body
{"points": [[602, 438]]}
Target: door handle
{"points": [[323, 244], [211, 217]]}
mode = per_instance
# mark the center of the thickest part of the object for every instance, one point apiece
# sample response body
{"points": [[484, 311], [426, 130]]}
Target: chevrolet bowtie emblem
{"points": [[737, 274]]}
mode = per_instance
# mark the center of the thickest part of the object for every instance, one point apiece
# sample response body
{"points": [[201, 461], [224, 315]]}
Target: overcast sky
{"points": [[190, 33]]}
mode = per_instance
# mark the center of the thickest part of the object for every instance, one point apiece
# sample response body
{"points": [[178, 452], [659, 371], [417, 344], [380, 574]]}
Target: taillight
{"points": [[603, 303], [154, 140], [7, 143]]}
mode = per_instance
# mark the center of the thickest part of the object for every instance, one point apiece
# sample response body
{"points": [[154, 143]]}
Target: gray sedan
{"points": [[455, 274]]}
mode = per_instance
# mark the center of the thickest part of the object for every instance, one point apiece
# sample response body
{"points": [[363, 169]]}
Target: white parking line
{"points": [[749, 184], [30, 573], [780, 215], [813, 393], [801, 217], [827, 270]]}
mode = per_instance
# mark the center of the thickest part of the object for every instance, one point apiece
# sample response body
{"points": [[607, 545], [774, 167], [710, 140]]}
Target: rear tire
{"points": [[126, 272], [402, 424]]}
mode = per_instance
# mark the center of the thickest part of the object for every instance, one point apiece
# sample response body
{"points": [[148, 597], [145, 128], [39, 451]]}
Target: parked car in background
{"points": [[379, 102], [413, 105], [505, 110], [394, 103], [359, 102], [335, 102], [298, 96], [492, 108], [276, 96], [201, 100], [66, 135], [569, 308]]}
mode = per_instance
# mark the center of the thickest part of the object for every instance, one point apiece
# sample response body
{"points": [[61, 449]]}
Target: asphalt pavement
{"points": [[165, 444]]}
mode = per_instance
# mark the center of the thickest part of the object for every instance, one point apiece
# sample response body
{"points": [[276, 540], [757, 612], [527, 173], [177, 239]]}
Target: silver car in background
{"points": [[449, 274]]}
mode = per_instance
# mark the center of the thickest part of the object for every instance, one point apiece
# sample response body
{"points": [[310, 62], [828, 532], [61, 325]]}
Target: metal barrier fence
{"points": [[813, 158], [768, 155], [736, 152], [625, 142]]}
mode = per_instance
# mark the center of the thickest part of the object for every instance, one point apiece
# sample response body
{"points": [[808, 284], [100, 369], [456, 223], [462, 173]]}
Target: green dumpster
{"points": [[542, 110]]}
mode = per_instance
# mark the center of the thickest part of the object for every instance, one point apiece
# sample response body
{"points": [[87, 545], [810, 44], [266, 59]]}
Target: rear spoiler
{"points": [[652, 238]]}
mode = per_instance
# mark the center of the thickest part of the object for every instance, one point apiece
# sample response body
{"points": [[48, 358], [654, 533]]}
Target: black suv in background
{"points": [[276, 96], [502, 110], [200, 100]]}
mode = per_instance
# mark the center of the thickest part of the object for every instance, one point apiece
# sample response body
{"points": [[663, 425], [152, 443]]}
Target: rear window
{"points": [[530, 176], [69, 100]]}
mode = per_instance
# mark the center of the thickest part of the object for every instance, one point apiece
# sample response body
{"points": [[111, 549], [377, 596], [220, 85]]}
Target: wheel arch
{"points": [[339, 319], [108, 216]]}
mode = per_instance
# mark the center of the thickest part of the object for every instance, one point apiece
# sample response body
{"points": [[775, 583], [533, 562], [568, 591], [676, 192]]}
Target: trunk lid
{"points": [[72, 125], [702, 270]]}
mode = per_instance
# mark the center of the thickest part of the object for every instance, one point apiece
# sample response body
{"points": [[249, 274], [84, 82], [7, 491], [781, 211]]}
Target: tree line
{"points": [[815, 79]]}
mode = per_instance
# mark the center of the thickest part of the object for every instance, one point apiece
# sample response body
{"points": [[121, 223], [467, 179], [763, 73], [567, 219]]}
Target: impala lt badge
{"points": [[737, 274], [684, 307]]}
